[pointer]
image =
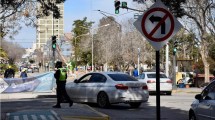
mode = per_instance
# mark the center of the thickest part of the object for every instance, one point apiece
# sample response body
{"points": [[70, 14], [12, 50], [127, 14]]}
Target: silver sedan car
{"points": [[106, 88], [203, 108]]}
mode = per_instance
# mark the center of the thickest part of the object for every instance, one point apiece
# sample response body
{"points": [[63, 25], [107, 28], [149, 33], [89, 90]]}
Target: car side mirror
{"points": [[76, 81], [198, 96]]}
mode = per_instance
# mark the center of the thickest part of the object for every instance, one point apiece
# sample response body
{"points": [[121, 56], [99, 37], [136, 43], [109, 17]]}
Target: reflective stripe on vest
{"points": [[62, 74]]}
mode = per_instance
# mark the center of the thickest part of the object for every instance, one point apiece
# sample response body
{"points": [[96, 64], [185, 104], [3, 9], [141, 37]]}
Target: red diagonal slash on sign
{"points": [[167, 14]]}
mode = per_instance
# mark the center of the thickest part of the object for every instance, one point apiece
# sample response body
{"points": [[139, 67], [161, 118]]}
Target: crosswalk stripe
{"points": [[16, 117], [25, 117], [34, 117], [55, 114], [43, 117], [51, 117]]}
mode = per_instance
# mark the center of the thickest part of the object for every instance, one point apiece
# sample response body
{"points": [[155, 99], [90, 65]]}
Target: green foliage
{"points": [[46, 8], [80, 27], [3, 53], [86, 58], [175, 6]]}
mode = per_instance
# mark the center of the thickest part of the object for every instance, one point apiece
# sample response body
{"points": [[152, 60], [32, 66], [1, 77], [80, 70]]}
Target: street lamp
{"points": [[92, 39]]}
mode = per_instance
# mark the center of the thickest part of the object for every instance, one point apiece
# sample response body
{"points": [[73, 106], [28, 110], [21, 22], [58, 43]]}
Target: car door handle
{"points": [[99, 85]]}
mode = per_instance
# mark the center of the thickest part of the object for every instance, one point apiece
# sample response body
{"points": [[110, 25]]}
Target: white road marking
{"points": [[16, 117], [43, 117], [25, 117], [34, 117]]}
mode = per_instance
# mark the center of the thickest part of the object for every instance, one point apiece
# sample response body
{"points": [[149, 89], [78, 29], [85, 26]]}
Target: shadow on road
{"points": [[116, 111], [145, 112]]}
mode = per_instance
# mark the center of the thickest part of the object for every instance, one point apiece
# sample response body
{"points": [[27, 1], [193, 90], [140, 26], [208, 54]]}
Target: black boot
{"points": [[56, 106], [70, 103]]}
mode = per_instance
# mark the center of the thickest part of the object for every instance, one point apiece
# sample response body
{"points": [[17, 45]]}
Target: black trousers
{"points": [[61, 93]]}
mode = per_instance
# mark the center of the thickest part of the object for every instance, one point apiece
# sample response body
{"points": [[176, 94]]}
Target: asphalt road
{"points": [[173, 107]]}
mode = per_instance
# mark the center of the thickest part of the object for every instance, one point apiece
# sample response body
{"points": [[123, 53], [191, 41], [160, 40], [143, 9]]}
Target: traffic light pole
{"points": [[132, 9], [53, 60], [174, 71]]}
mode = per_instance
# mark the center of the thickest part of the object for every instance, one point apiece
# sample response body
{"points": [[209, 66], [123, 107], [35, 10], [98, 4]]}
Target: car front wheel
{"points": [[103, 100], [192, 116], [135, 104]]}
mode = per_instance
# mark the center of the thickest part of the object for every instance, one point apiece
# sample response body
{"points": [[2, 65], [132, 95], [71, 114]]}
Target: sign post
{"points": [[158, 26]]}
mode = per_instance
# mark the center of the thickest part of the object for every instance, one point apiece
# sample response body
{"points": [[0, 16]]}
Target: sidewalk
{"points": [[188, 90], [76, 112]]}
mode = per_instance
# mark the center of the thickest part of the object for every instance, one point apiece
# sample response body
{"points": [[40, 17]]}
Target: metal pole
{"points": [[75, 53], [92, 52], [174, 71], [167, 60], [138, 61], [53, 35], [158, 84]]}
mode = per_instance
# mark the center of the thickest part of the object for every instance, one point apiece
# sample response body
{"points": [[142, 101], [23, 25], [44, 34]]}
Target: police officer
{"points": [[61, 76]]}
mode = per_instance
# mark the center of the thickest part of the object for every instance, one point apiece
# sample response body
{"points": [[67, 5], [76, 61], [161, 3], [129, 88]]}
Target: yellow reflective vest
{"points": [[63, 73]]}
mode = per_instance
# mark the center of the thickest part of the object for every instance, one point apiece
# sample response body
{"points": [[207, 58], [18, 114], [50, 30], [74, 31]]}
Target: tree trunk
{"points": [[206, 66]]}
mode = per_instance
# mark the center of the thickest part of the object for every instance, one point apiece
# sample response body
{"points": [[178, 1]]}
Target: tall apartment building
{"points": [[48, 26]]}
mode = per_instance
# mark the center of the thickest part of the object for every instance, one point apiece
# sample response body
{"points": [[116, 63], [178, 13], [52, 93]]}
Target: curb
{"points": [[185, 91]]}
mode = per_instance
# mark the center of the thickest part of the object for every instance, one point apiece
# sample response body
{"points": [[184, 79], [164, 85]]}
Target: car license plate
{"points": [[135, 88]]}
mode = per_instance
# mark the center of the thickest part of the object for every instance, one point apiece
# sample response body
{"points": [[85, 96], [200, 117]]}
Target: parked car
{"points": [[34, 67], [106, 88], [150, 79], [203, 108], [30, 70]]}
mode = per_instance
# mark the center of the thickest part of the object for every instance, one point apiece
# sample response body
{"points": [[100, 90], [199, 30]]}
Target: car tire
{"points": [[103, 100], [135, 104], [192, 115]]}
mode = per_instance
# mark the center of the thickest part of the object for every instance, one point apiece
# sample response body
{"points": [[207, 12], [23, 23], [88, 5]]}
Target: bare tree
{"points": [[14, 51], [200, 19]]}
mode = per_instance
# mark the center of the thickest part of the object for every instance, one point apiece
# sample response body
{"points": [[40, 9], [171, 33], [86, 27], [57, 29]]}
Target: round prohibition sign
{"points": [[167, 14]]}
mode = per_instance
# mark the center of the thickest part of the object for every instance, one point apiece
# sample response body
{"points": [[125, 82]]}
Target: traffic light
{"points": [[117, 6], [54, 42], [175, 47], [124, 5]]}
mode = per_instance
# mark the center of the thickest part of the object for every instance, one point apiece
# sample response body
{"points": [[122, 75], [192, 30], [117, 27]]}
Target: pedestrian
{"points": [[40, 64], [9, 73], [135, 72], [23, 74], [61, 76], [47, 67]]}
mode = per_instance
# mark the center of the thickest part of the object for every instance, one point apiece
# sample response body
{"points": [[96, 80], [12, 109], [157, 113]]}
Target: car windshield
{"points": [[153, 75], [122, 77]]}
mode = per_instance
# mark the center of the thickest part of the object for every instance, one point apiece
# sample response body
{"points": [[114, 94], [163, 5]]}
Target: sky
{"points": [[74, 10]]}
